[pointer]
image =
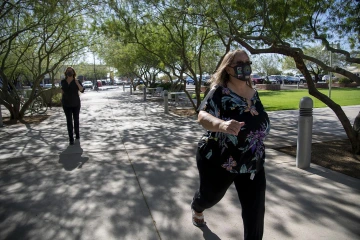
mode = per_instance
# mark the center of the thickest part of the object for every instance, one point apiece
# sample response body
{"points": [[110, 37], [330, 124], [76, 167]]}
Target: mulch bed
{"points": [[334, 155], [35, 119], [184, 112]]}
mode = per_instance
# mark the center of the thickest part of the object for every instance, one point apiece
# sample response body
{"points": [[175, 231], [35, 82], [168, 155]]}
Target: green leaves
{"points": [[36, 38]]}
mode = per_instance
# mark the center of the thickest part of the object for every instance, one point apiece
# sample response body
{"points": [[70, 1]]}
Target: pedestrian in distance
{"points": [[232, 150], [98, 84], [71, 87]]}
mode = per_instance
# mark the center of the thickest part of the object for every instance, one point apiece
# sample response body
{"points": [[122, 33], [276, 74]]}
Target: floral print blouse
{"points": [[244, 153]]}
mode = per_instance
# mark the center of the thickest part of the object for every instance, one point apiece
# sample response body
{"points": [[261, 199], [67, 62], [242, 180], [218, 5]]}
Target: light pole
{"points": [[95, 81], [337, 46], [330, 75]]}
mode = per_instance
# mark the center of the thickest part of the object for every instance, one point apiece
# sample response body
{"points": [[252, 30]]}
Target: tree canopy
{"points": [[36, 38], [178, 38], [188, 30]]}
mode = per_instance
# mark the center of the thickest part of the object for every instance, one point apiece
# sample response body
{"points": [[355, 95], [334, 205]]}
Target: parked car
{"points": [[301, 77], [318, 77], [99, 83], [138, 82], [189, 80], [48, 85], [279, 78], [118, 82], [87, 84], [326, 78], [293, 80], [256, 79], [274, 79], [205, 80]]}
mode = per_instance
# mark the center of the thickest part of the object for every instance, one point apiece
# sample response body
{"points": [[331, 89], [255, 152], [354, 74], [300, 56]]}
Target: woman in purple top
{"points": [[71, 87], [232, 150]]}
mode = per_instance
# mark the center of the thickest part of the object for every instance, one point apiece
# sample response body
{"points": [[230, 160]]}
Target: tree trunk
{"points": [[191, 100], [356, 128], [350, 132], [299, 61], [16, 110], [15, 113], [357, 147]]}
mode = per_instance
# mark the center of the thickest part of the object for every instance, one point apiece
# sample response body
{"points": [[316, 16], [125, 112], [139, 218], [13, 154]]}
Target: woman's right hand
{"points": [[215, 124], [231, 127]]}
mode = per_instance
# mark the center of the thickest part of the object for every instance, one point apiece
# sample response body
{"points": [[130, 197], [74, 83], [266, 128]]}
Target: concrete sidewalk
{"points": [[133, 175]]}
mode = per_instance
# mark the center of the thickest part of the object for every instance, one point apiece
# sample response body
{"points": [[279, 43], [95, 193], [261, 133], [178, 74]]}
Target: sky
{"points": [[89, 58]]}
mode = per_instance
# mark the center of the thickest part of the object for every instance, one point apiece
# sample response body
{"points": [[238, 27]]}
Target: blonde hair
{"points": [[74, 76], [221, 77]]}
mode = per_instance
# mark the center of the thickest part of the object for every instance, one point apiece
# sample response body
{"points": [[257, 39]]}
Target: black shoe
{"points": [[77, 137], [72, 142]]}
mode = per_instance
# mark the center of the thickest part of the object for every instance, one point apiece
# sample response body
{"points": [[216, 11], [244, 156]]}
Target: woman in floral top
{"points": [[233, 148]]}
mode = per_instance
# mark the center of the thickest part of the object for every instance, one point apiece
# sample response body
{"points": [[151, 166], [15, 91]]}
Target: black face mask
{"points": [[242, 71], [69, 74]]}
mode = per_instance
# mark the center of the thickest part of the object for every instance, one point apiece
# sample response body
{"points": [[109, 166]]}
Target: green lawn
{"points": [[289, 99]]}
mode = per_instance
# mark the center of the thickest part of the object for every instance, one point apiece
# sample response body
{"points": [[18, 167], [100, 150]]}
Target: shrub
{"points": [[344, 80], [56, 100], [47, 95], [140, 87], [165, 86], [172, 87]]}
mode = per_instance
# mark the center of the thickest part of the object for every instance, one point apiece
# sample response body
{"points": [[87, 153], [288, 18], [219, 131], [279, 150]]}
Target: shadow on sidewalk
{"points": [[71, 157], [334, 176], [208, 234]]}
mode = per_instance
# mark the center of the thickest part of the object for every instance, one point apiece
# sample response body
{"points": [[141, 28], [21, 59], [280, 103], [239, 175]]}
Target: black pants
{"points": [[70, 113], [214, 182]]}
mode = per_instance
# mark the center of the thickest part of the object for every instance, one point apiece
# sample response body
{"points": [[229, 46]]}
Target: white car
{"points": [[300, 76], [87, 84], [327, 78], [118, 82], [274, 79]]}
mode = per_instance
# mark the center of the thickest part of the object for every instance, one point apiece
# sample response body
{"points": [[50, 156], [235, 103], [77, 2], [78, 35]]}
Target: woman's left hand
{"points": [[79, 86]]}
